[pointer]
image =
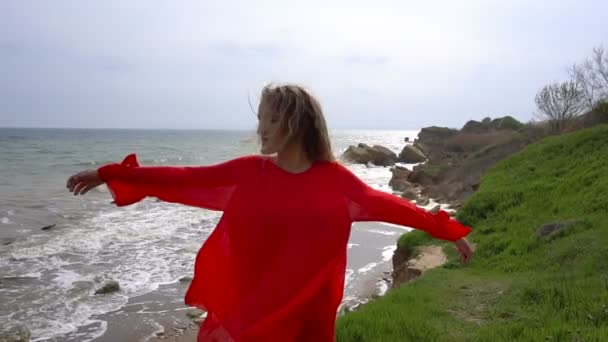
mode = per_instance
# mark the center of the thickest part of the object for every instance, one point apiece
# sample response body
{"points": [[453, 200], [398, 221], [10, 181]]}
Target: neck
{"points": [[293, 159]]}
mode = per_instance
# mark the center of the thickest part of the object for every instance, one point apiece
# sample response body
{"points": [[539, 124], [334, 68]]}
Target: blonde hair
{"points": [[301, 118]]}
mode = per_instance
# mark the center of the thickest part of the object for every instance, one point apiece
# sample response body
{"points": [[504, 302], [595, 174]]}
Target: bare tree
{"points": [[560, 103], [592, 76]]}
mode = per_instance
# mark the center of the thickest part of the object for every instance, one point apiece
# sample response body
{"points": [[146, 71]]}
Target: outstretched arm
{"points": [[368, 204], [208, 187]]}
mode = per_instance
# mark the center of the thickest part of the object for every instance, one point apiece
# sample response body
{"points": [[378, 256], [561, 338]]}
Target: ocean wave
{"points": [[142, 247]]}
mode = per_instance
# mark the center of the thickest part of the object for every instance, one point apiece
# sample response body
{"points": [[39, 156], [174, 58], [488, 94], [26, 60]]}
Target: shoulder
{"points": [[246, 161], [335, 166], [336, 170]]}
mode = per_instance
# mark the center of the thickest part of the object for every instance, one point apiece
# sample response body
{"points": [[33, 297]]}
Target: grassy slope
{"points": [[518, 286]]}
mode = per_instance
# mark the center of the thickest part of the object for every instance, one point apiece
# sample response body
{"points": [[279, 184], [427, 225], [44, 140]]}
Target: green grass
{"points": [[518, 287]]}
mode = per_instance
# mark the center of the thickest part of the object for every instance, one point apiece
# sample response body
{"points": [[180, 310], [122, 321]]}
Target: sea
{"points": [[56, 249]]}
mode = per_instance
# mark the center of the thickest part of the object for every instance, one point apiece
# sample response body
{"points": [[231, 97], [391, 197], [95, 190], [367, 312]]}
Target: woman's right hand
{"points": [[83, 181]]}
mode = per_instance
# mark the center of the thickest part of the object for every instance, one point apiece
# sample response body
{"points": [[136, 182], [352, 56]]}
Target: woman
{"points": [[273, 269]]}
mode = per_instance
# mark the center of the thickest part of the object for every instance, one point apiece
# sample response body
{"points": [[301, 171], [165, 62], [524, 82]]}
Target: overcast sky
{"points": [[373, 64]]}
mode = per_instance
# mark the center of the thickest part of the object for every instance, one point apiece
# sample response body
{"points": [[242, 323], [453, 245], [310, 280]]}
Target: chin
{"points": [[266, 151]]}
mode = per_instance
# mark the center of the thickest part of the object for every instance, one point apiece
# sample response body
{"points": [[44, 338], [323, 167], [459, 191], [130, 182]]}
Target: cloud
{"points": [[390, 64]]}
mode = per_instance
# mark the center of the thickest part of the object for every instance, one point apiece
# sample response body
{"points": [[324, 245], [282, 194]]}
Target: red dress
{"points": [[273, 269]]}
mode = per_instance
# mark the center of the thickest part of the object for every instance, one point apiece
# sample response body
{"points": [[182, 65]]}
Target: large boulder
{"points": [[364, 154], [411, 154]]}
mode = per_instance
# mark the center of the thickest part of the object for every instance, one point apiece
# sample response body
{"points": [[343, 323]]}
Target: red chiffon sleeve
{"points": [[368, 204], [208, 187]]}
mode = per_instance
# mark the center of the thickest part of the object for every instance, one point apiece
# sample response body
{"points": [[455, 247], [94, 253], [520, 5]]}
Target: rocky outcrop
{"points": [[406, 267], [488, 125], [457, 159], [364, 154], [431, 141]]}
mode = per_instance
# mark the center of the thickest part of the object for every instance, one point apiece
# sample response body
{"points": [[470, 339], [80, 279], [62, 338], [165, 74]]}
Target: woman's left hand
{"points": [[464, 249]]}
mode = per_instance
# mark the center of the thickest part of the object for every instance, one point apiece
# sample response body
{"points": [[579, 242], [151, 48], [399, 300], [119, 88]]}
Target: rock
{"points": [[435, 133], [435, 209], [473, 126], [488, 125], [551, 229], [364, 154], [185, 279], [198, 320], [407, 139], [400, 172], [7, 241], [401, 256], [16, 334], [48, 227], [109, 287], [194, 313], [411, 154], [409, 195], [405, 274], [432, 141], [399, 180], [423, 175], [401, 185], [422, 201]]}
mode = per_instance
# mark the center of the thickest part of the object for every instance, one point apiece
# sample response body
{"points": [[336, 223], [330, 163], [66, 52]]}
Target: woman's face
{"points": [[269, 130]]}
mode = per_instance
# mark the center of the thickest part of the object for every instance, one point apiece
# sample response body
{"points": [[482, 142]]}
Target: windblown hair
{"points": [[300, 118]]}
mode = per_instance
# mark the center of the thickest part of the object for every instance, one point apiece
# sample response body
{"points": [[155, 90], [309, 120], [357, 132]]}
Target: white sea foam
{"points": [[367, 267], [388, 251], [383, 232], [348, 277], [382, 287]]}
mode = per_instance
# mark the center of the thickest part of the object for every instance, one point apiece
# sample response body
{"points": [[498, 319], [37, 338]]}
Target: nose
{"points": [[262, 131]]}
